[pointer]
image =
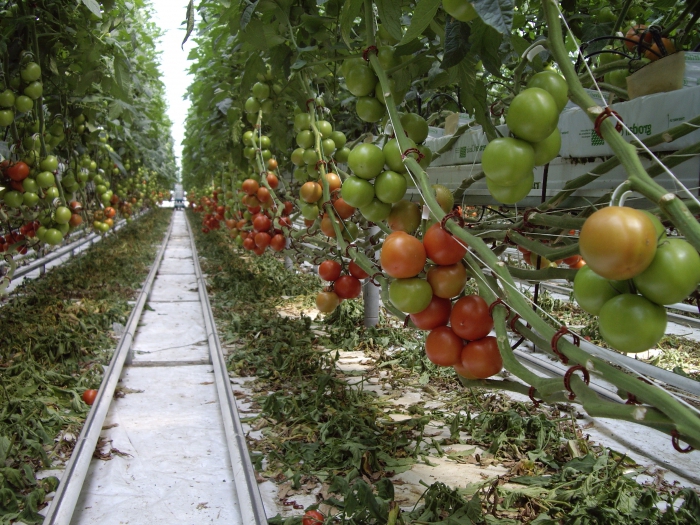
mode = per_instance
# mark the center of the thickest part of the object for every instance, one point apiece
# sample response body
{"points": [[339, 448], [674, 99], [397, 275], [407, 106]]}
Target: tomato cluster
{"points": [[343, 285], [632, 270], [532, 117]]}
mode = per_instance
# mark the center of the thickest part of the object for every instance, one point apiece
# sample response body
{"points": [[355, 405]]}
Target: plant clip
{"points": [[567, 379], [412, 150], [496, 303], [454, 214], [531, 393], [675, 437], [526, 217], [494, 113], [512, 324], [371, 278], [310, 100], [607, 112], [365, 52], [321, 162], [555, 341]]}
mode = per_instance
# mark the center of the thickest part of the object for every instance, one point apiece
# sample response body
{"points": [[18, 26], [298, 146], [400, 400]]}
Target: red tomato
{"points": [[443, 347], [470, 318], [441, 247], [481, 358], [17, 171], [250, 186], [402, 256], [272, 179], [343, 209], [262, 223], [329, 270], [248, 242], [437, 313], [312, 517], [347, 287], [327, 226], [356, 271], [262, 240], [89, 396], [278, 242]]}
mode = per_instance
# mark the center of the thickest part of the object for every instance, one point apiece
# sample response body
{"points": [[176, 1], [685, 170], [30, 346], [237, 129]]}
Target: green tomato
{"points": [[6, 117], [63, 228], [247, 138], [350, 231], [325, 128], [261, 91], [45, 179], [31, 72], [660, 229], [310, 157], [360, 79], [34, 90], [554, 84], [297, 157], [305, 139], [591, 291], [673, 274], [444, 197], [302, 121], [606, 15], [23, 104], [7, 99], [514, 193], [533, 115], [62, 215], [390, 187], [548, 149], [416, 127], [309, 211], [462, 10], [252, 105], [53, 236], [13, 199], [328, 147], [411, 295], [366, 161], [265, 142], [49, 163], [266, 154], [339, 139], [357, 192], [376, 211], [507, 161], [369, 109], [617, 78], [342, 155], [427, 158], [30, 184], [405, 216], [393, 154], [630, 323], [51, 193], [387, 57], [30, 198]]}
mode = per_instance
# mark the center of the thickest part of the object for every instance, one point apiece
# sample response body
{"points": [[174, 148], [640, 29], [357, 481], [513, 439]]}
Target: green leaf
{"points": [[4, 448], [422, 16], [347, 18], [247, 14], [486, 41], [93, 6], [457, 43], [496, 13], [189, 18], [390, 15], [253, 66]]}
